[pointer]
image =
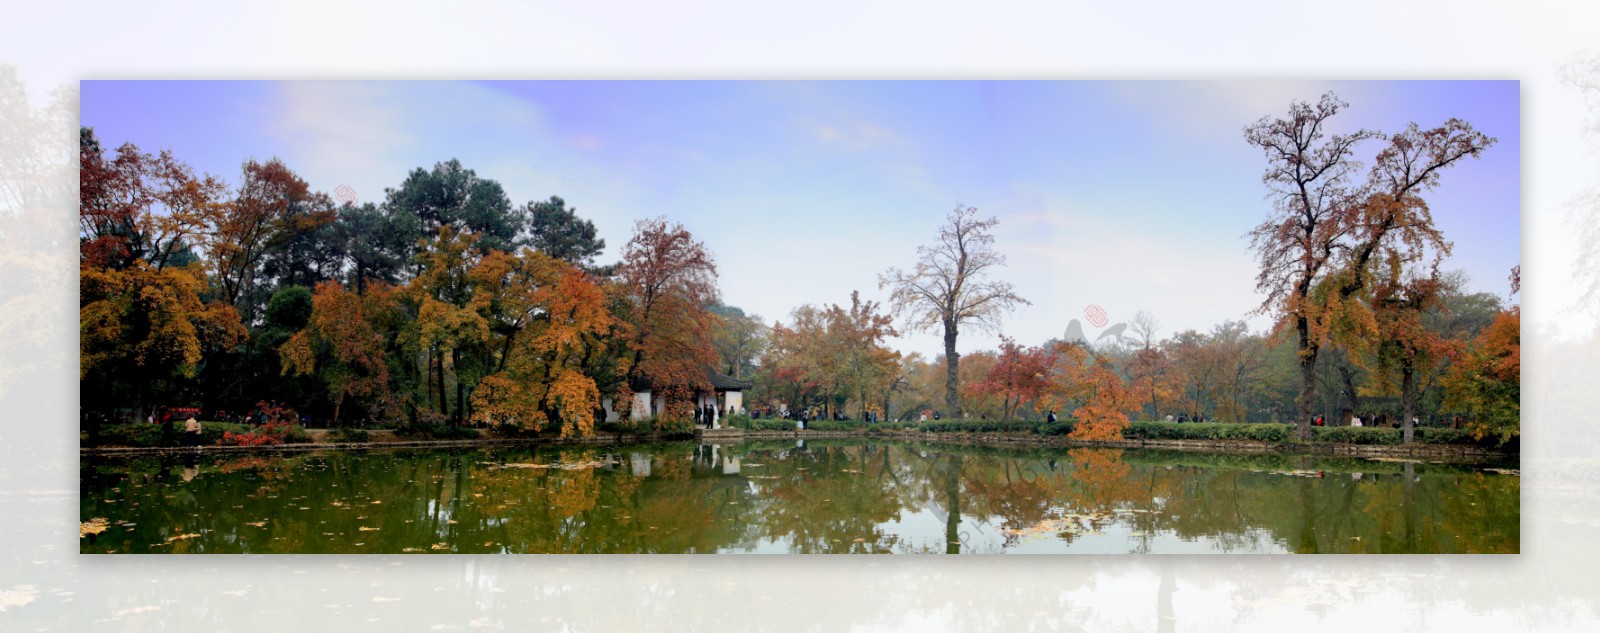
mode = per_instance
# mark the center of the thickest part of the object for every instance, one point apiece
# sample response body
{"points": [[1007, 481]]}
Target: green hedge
{"points": [[1357, 435], [1265, 432], [996, 426], [761, 424], [1277, 432], [670, 428]]}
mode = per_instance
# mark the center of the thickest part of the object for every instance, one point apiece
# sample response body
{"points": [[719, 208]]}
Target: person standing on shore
{"points": [[191, 429]]}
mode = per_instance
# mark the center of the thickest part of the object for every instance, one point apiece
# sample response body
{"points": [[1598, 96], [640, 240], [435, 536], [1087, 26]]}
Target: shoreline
{"points": [[1252, 447]]}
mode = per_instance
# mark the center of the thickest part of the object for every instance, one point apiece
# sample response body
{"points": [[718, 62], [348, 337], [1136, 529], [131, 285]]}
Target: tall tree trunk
{"points": [[1308, 379], [1347, 381], [444, 404], [952, 395], [1408, 401], [461, 396]]}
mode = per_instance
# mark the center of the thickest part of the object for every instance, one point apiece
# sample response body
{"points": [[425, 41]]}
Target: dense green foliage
{"points": [[1267, 432], [670, 428], [1272, 432]]}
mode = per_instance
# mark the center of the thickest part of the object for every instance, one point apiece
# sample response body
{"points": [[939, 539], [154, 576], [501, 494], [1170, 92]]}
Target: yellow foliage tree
{"points": [[550, 317]]}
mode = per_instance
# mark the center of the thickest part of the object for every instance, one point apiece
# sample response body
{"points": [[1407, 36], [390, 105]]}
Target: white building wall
{"points": [[641, 405]]}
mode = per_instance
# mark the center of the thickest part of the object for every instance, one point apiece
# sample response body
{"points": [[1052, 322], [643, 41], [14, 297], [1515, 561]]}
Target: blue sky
{"points": [[1129, 195]]}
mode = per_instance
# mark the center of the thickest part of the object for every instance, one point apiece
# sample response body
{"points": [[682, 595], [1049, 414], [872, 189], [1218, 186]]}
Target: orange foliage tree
{"points": [[667, 281], [344, 334], [1487, 380], [1103, 399], [550, 317]]}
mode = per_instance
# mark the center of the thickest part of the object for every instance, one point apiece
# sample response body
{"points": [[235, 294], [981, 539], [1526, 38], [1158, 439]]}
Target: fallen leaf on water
{"points": [[182, 536], [92, 527], [441, 546], [409, 549], [369, 528], [1046, 526], [256, 524]]}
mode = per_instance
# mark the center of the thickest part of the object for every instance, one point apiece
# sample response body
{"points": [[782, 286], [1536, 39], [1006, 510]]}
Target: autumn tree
{"points": [[1324, 223], [272, 208], [832, 353], [740, 339], [1486, 381], [551, 318], [141, 328], [976, 403], [1102, 400], [1396, 347], [145, 323], [667, 281], [135, 206], [802, 360], [343, 345], [447, 326], [863, 362], [1151, 365], [1238, 358], [1020, 374], [950, 287]]}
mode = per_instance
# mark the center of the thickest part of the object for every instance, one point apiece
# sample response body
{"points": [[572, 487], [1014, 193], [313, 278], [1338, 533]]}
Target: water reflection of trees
{"points": [[829, 497]]}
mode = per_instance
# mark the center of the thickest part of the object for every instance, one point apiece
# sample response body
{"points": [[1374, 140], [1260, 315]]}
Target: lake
{"points": [[792, 496]]}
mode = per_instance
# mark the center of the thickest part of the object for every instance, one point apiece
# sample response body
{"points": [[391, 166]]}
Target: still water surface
{"points": [[796, 496]]}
